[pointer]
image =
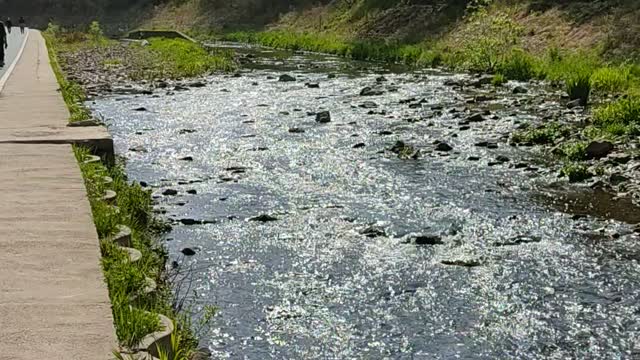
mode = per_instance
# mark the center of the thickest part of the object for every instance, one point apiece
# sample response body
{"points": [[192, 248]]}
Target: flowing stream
{"points": [[318, 242]]}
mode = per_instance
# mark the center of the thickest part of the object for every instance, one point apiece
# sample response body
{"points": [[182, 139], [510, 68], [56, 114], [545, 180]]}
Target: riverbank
{"points": [[133, 261], [88, 64]]}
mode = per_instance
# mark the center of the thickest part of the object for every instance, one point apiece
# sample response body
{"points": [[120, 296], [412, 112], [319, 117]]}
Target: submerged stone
{"points": [[188, 251], [323, 117], [286, 78], [263, 218]]}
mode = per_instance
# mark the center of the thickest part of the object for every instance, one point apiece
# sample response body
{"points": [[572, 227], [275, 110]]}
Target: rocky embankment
{"points": [[119, 68]]}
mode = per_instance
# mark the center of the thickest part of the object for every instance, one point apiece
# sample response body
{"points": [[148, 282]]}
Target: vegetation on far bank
{"points": [[491, 42]]}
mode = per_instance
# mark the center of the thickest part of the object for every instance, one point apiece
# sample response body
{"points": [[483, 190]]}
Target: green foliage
{"points": [[575, 151], [357, 50], [560, 68], [518, 65], [575, 172], [178, 58], [611, 79], [134, 310], [485, 42], [620, 117], [131, 323], [498, 80], [546, 134]]}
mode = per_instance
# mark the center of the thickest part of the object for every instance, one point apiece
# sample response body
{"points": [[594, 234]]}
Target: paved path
{"points": [[53, 300], [15, 42]]}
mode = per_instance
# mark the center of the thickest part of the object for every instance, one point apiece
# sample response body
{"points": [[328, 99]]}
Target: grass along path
{"points": [[135, 304]]}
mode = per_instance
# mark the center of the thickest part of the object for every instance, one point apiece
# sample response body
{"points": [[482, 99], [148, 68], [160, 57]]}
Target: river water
{"points": [[473, 253]]}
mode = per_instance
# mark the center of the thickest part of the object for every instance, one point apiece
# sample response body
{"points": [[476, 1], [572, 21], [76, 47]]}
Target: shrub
{"points": [[95, 33]]}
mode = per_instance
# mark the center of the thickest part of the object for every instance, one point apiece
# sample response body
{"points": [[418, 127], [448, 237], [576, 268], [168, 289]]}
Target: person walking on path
{"points": [[9, 25], [21, 22], [3, 43]]}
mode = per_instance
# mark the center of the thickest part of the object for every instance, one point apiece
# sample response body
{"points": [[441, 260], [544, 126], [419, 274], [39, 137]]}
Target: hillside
{"points": [[609, 26]]}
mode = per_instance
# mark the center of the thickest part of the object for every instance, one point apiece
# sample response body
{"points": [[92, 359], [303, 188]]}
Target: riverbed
{"points": [[335, 241]]}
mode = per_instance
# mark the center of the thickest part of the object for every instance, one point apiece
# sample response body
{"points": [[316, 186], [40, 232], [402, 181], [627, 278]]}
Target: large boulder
{"points": [[598, 149]]}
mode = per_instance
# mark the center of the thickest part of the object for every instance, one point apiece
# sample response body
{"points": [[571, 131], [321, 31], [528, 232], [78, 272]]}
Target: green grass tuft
{"points": [[578, 87], [498, 80], [518, 65], [611, 79]]}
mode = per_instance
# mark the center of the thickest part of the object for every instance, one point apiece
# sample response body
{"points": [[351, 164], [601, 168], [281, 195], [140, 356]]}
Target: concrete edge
{"points": [[158, 340], [109, 197], [7, 74], [123, 237]]}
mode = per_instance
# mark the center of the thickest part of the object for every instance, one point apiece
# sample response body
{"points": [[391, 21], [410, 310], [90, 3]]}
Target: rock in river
{"points": [[477, 117], [597, 149], [426, 239], [323, 117], [519, 90], [170, 192], [286, 78], [371, 91], [263, 218], [443, 146], [368, 105], [373, 231], [188, 251]]}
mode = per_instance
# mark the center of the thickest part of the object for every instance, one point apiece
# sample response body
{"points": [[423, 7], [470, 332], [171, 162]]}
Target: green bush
{"points": [[95, 33], [575, 172], [623, 112], [546, 134], [575, 151]]}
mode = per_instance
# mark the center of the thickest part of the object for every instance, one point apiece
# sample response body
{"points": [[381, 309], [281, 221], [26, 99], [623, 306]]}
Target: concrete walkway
{"points": [[53, 300]]}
